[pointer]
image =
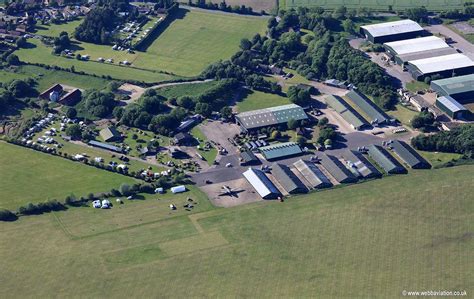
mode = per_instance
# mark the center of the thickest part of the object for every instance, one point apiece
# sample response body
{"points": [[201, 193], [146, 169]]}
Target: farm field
{"points": [[29, 176], [258, 100], [46, 78], [197, 38], [362, 245], [257, 5], [435, 5], [180, 90], [39, 53]]}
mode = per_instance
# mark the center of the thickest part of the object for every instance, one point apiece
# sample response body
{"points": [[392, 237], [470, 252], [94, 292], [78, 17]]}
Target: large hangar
{"points": [[460, 88], [417, 48], [261, 183], [445, 66], [391, 31]]}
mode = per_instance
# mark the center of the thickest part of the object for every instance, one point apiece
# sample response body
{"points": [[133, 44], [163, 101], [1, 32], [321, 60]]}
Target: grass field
{"points": [[209, 155], [54, 30], [177, 91], [29, 176], [403, 114], [407, 232], [435, 5], [257, 5], [415, 86], [259, 100], [46, 78], [196, 39]]}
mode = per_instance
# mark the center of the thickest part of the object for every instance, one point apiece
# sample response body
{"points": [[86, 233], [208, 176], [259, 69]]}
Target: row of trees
{"points": [[240, 9], [458, 140]]}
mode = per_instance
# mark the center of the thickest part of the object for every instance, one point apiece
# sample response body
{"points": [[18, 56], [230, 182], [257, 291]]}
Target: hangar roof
{"points": [[451, 104], [417, 45], [456, 85], [391, 28], [261, 183], [442, 63], [271, 116]]}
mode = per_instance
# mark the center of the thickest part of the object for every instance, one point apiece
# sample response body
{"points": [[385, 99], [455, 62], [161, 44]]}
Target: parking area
{"points": [[220, 132]]}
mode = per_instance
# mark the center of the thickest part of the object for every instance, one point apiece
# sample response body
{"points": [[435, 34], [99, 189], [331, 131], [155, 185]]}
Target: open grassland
{"points": [[53, 30], [180, 90], [37, 52], [29, 176], [257, 5], [406, 232], [383, 5], [253, 99], [197, 38], [403, 114], [46, 78]]}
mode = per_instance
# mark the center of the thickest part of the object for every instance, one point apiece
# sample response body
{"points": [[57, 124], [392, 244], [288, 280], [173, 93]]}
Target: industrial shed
{"points": [[452, 107], [383, 158], [391, 31], [287, 179], [280, 150], [460, 88], [409, 155], [347, 112], [248, 158], [445, 66], [375, 114], [359, 165], [256, 119], [105, 146], [261, 183], [417, 48], [312, 174], [337, 169]]}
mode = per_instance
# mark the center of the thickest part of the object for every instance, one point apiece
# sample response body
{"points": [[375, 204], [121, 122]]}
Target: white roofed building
{"points": [[391, 31], [446, 66]]}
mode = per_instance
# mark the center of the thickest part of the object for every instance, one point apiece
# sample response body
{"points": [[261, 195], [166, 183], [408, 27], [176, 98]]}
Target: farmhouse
{"points": [[280, 150], [256, 119], [418, 48], [110, 134], [337, 169], [408, 155], [312, 174], [287, 179], [359, 165], [452, 107], [445, 66], [261, 183], [460, 88], [391, 31], [375, 114], [337, 103], [383, 158]]}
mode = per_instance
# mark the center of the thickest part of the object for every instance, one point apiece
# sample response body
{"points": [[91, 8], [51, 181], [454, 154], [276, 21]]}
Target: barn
{"points": [[391, 31], [444, 66]]}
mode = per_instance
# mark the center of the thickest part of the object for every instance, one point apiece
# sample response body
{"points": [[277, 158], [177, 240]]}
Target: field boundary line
{"points": [[64, 227]]}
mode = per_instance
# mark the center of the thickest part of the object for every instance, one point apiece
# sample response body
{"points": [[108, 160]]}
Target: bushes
{"points": [[6, 215], [42, 207], [458, 140]]}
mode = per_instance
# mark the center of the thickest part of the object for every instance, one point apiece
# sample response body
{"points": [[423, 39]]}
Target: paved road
{"points": [[459, 41]]}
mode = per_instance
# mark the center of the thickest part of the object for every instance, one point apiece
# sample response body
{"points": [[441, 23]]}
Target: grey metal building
{"points": [[461, 88], [261, 183], [446, 66], [347, 112], [287, 179], [408, 155], [312, 174], [375, 114], [383, 158], [337, 169], [359, 165], [451, 107], [391, 31]]}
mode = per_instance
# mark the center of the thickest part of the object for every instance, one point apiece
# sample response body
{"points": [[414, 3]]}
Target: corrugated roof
{"points": [[360, 164], [109, 133], [455, 85], [312, 174], [287, 179], [373, 112], [280, 150], [271, 116], [337, 169], [426, 54], [391, 28], [350, 115], [417, 45], [248, 157], [105, 146], [442, 63], [408, 154], [384, 159], [261, 183], [451, 104]]}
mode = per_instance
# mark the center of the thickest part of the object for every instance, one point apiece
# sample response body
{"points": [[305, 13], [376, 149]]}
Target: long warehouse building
{"points": [[337, 103], [408, 155], [460, 88], [256, 119], [417, 48], [445, 66], [391, 31], [312, 174], [375, 114], [337, 170], [287, 179], [280, 150], [452, 108], [383, 158], [359, 165], [261, 183]]}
